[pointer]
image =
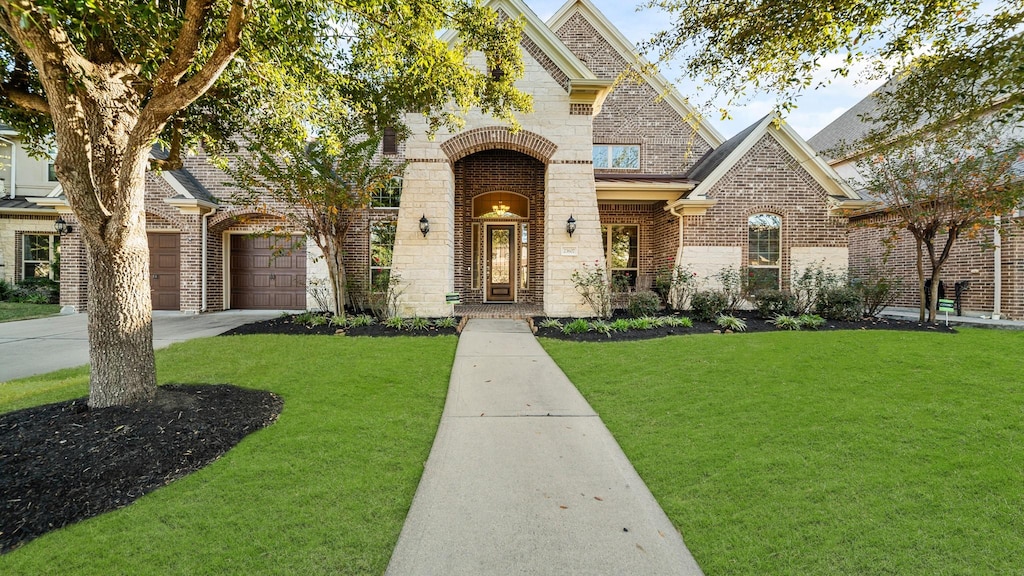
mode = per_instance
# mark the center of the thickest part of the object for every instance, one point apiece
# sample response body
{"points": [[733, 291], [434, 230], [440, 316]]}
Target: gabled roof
{"points": [[716, 164], [182, 181], [627, 50]]}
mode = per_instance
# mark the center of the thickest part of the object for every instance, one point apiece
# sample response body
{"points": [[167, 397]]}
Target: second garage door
{"points": [[267, 274]]}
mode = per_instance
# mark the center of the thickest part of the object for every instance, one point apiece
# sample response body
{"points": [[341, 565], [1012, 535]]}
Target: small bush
{"points": [[707, 305], [577, 326], [839, 303], [418, 323], [304, 318], [621, 325], [771, 303], [362, 320], [812, 321], [551, 323], [643, 323], [41, 290], [877, 290], [396, 322], [317, 320], [733, 323], [339, 321], [677, 321], [643, 303], [5, 289], [446, 322], [783, 322], [602, 327]]}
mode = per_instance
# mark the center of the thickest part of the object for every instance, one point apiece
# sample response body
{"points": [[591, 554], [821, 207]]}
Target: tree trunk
{"points": [[920, 279], [122, 365], [336, 270]]}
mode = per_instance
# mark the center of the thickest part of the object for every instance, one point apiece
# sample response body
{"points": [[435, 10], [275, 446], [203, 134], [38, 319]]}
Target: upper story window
{"points": [[764, 253], [388, 197], [390, 141], [617, 156]]}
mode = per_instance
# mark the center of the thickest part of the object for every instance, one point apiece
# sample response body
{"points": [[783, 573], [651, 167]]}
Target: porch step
{"points": [[510, 311]]}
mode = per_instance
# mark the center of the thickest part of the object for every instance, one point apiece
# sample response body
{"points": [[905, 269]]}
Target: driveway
{"points": [[29, 347]]}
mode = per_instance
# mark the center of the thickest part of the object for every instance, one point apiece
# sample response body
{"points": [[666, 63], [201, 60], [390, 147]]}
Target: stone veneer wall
{"points": [[491, 171], [971, 260], [635, 112], [766, 179]]}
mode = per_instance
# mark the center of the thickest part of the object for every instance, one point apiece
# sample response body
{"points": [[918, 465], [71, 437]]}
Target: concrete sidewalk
{"points": [[524, 478], [29, 347]]}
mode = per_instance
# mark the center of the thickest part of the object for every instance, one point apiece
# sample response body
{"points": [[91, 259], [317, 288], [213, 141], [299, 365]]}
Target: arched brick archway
{"points": [[498, 137]]}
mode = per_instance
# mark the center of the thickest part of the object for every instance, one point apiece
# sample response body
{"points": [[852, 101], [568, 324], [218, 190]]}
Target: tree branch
{"points": [[185, 50], [24, 99]]}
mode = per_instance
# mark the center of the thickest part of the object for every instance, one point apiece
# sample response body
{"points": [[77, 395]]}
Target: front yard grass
{"points": [[324, 490], [18, 311], [827, 453]]}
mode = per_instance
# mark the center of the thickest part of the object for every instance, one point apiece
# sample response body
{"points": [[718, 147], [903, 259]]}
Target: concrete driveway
{"points": [[29, 347]]}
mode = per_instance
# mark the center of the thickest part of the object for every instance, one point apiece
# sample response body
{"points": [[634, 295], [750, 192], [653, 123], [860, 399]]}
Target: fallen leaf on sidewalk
{"points": [[598, 498], [564, 507], [641, 548]]}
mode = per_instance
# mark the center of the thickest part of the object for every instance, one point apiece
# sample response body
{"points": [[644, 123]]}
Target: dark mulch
{"points": [[64, 462], [292, 324], [754, 324]]}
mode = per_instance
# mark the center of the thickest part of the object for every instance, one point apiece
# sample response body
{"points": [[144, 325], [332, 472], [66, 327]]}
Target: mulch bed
{"points": [[290, 324], [64, 462], [754, 324]]}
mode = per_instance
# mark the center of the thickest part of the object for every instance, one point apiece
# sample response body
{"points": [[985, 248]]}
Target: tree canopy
{"points": [[949, 57]]}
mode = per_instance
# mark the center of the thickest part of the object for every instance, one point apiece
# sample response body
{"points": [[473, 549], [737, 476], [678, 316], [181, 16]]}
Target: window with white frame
{"points": [[39, 254], [621, 251], [617, 156], [389, 196], [764, 253], [382, 250]]}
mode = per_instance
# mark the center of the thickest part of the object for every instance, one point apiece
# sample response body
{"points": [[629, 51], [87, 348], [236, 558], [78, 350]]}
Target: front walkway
{"points": [[524, 478]]}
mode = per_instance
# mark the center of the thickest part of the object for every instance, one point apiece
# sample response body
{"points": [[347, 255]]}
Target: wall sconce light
{"points": [[61, 226], [570, 225], [424, 225]]}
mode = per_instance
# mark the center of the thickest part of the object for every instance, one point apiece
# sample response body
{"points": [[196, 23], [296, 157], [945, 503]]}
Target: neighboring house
{"points": [[645, 181], [29, 245], [989, 269]]}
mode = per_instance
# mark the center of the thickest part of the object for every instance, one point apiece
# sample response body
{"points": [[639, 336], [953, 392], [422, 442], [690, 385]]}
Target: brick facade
{"points": [[972, 259], [767, 179], [658, 240]]}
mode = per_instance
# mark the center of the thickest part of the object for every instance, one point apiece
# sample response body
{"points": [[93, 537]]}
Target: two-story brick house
{"points": [[606, 170]]}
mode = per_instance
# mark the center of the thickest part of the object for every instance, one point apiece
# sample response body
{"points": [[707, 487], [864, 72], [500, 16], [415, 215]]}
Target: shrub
{"points": [[339, 321], [304, 318], [396, 322], [783, 322], [643, 303], [621, 325], [446, 322], [674, 284], [593, 285], [551, 323], [676, 321], [361, 320], [40, 290], [732, 287], [878, 289], [577, 326], [733, 323], [810, 282], [812, 321], [839, 303], [384, 295], [642, 323], [708, 304], [771, 303], [418, 323], [602, 327], [317, 320], [5, 289]]}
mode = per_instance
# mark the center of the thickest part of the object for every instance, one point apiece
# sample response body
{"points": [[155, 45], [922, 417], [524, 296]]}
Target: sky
{"points": [[815, 109]]}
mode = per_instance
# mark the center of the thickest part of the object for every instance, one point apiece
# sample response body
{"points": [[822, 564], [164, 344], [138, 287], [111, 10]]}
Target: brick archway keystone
{"points": [[498, 137]]}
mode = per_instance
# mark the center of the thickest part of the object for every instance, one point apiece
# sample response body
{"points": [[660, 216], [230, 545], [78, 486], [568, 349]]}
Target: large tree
{"points": [[942, 187], [951, 58], [104, 80]]}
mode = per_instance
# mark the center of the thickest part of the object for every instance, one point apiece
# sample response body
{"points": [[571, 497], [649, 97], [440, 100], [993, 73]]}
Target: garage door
{"points": [[165, 270], [267, 274]]}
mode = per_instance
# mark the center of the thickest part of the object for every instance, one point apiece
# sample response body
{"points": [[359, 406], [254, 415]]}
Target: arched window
{"points": [[764, 253]]}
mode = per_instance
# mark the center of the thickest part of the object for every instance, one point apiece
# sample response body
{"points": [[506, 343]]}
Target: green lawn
{"points": [[325, 490], [18, 311], [850, 453]]}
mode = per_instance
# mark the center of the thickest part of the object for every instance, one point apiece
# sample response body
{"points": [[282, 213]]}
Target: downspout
{"points": [[14, 165], [997, 267], [206, 228]]}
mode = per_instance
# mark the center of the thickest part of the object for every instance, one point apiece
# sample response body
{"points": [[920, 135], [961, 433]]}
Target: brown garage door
{"points": [[267, 274], [164, 270]]}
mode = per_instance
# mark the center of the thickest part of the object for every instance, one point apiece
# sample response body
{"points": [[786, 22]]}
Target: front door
{"points": [[501, 263]]}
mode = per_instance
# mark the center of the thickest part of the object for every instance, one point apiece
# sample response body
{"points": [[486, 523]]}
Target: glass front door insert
{"points": [[501, 265]]}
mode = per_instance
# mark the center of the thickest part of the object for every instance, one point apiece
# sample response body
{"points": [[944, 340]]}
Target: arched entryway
{"points": [[499, 231]]}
